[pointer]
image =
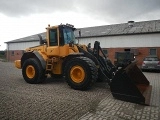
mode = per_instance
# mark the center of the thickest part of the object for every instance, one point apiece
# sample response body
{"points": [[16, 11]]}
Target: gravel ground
{"points": [[53, 99]]}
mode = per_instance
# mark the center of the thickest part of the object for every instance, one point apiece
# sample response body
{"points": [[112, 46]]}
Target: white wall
{"points": [[22, 45], [144, 40]]}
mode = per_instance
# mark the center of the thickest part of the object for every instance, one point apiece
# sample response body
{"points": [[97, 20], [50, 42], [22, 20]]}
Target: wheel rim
{"points": [[30, 71], [77, 74]]}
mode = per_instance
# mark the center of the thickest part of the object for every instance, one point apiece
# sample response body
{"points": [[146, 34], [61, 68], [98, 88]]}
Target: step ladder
{"points": [[49, 65]]}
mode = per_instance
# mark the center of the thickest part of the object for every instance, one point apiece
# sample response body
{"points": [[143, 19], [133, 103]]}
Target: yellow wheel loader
{"points": [[81, 66]]}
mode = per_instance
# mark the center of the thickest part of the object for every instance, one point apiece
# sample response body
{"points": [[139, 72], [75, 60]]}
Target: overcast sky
{"points": [[21, 18]]}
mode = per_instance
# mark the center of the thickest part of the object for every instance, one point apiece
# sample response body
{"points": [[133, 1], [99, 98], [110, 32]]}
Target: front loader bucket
{"points": [[130, 84]]}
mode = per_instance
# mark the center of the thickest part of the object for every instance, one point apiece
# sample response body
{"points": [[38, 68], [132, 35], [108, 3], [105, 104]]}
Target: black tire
{"points": [[86, 71], [143, 70], [33, 72]]}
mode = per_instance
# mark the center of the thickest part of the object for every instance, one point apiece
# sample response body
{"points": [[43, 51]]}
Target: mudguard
{"points": [[33, 54]]}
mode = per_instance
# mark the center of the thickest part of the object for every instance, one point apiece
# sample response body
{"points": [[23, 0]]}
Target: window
{"points": [[53, 37], [127, 50], [153, 51], [68, 35]]}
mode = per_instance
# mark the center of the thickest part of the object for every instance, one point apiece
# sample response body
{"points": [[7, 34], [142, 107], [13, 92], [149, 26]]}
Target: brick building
{"points": [[142, 38]]}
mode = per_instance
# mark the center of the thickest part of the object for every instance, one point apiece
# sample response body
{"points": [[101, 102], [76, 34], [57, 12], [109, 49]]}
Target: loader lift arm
{"points": [[108, 67], [127, 84]]}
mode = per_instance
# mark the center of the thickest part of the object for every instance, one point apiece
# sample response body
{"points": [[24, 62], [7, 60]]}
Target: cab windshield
{"points": [[68, 34]]}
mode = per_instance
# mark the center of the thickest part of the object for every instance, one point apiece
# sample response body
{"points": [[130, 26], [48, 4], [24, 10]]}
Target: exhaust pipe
{"points": [[41, 41]]}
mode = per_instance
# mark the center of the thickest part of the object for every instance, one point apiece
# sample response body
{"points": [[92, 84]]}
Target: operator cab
{"points": [[59, 39], [61, 35]]}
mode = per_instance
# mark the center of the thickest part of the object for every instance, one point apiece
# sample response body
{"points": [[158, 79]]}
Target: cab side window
{"points": [[53, 37], [67, 36]]}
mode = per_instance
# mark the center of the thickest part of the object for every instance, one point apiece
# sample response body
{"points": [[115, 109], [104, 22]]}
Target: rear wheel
{"points": [[33, 72], [80, 73]]}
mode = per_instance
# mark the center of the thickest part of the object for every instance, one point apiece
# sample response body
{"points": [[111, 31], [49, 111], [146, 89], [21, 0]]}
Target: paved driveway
{"points": [[112, 109], [55, 100]]}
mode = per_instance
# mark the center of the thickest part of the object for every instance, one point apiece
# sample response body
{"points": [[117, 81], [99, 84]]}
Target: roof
{"points": [[143, 27], [31, 38]]}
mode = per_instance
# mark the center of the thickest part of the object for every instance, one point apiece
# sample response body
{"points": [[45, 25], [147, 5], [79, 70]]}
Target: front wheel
{"points": [[32, 71], [80, 73]]}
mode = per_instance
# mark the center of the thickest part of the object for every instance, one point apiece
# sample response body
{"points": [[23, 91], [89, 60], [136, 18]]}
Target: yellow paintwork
{"points": [[77, 74], [17, 64], [53, 51], [61, 51], [56, 53], [30, 71], [73, 49], [57, 67], [41, 48], [84, 47], [64, 50]]}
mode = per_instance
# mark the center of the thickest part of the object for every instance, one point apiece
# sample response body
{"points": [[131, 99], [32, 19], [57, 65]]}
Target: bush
{"points": [[2, 55]]}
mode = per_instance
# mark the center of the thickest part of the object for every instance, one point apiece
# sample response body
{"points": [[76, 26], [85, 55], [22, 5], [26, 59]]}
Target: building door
{"points": [[153, 51]]}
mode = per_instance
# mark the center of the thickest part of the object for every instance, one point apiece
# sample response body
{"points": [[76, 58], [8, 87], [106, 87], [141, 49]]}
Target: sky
{"points": [[21, 18]]}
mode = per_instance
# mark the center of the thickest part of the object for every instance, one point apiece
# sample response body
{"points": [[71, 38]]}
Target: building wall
{"points": [[13, 55], [21, 45], [142, 53], [16, 50], [141, 40], [142, 43]]}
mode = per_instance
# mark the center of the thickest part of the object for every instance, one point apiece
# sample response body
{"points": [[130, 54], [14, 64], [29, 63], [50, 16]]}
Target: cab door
{"points": [[53, 44]]}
